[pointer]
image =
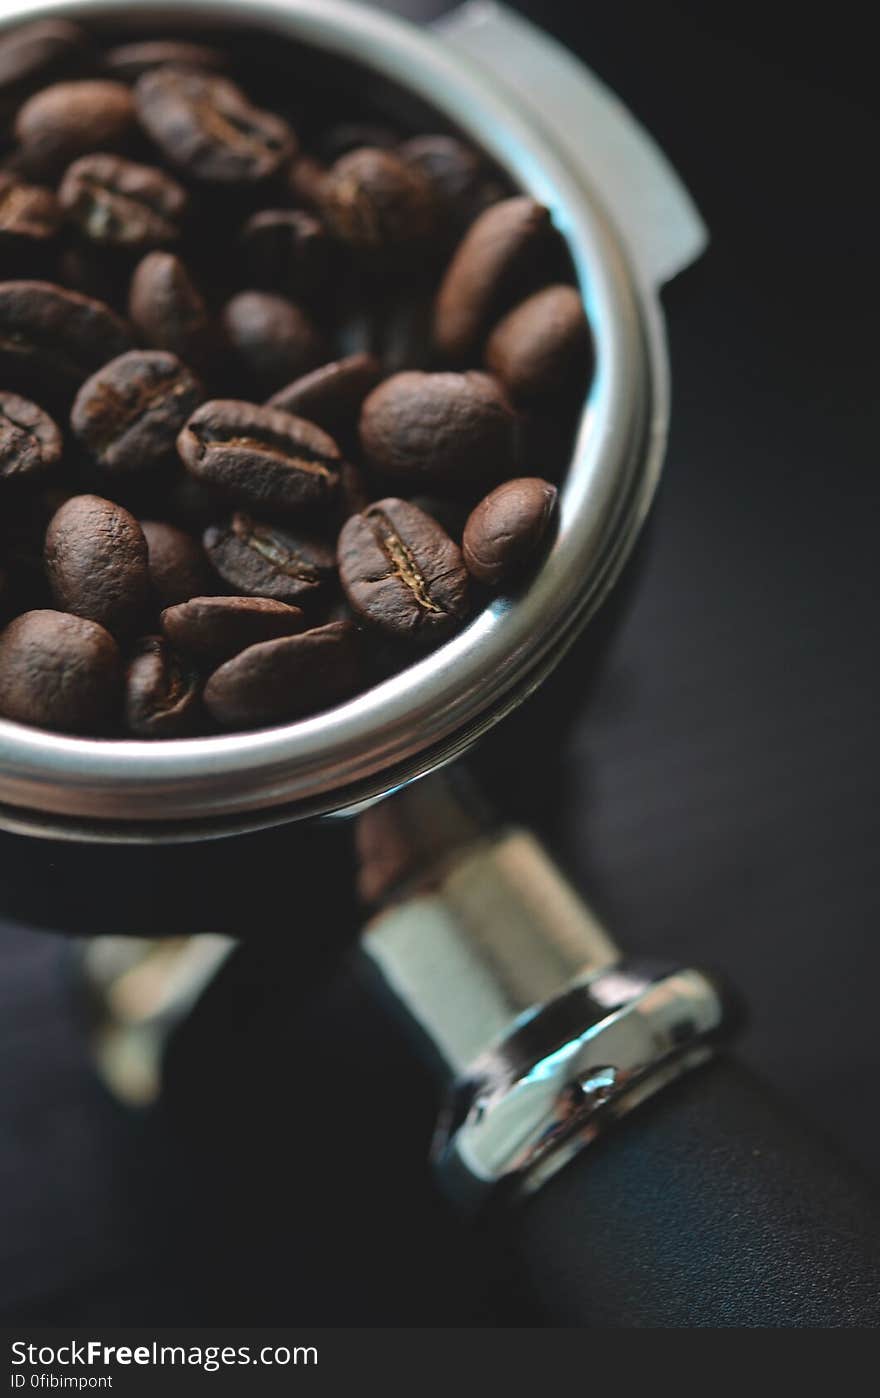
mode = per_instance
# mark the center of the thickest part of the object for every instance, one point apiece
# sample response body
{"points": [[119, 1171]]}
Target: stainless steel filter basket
{"points": [[629, 225]]}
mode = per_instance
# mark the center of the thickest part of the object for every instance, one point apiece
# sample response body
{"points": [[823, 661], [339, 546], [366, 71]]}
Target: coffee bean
{"points": [[260, 456], [55, 337], [162, 692], [542, 348], [177, 564], [128, 61], [213, 629], [262, 560], [332, 395], [506, 528], [501, 250], [63, 122], [374, 201], [30, 215], [288, 251], [205, 126], [60, 672], [119, 203], [168, 312], [96, 562], [272, 338], [30, 442], [439, 429], [455, 172], [129, 413], [34, 55], [285, 679], [401, 572]]}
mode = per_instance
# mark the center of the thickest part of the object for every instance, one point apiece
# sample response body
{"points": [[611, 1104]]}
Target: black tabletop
{"points": [[714, 793]]}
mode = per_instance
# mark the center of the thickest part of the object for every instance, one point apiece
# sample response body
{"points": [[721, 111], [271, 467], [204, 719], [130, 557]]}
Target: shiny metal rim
{"points": [[438, 707]]}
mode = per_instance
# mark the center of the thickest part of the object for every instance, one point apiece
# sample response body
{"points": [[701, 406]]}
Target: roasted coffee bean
{"points": [[435, 430], [261, 560], [454, 170], [286, 250], [34, 55], [285, 679], [130, 412], [128, 62], [506, 528], [61, 123], [119, 203], [177, 564], [212, 629], [168, 311], [56, 337], [501, 250], [30, 442], [542, 348], [272, 338], [30, 216], [332, 395], [162, 692], [96, 562], [205, 126], [374, 201], [60, 672], [260, 456], [401, 572]]}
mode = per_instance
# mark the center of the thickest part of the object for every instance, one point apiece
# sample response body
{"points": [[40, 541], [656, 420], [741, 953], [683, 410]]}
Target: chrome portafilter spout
{"points": [[543, 1031]]}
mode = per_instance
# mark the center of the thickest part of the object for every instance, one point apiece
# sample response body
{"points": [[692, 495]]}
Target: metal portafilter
{"points": [[543, 1037]]}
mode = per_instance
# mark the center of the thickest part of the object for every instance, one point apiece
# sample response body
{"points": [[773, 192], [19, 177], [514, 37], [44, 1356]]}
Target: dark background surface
{"points": [[715, 795]]}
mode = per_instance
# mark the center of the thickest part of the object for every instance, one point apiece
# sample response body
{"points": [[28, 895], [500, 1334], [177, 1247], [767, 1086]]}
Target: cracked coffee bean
{"points": [[60, 672], [121, 204], [273, 339], [162, 692], [401, 572], [54, 337], [261, 560], [30, 442], [542, 348], [288, 251], [177, 564], [506, 528], [206, 127], [167, 310], [213, 629], [434, 430], [285, 679], [129, 414], [500, 251], [332, 395], [262, 457], [373, 200], [96, 562], [61, 123]]}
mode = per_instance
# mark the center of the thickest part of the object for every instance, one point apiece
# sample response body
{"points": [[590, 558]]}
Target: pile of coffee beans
{"points": [[283, 397]]}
